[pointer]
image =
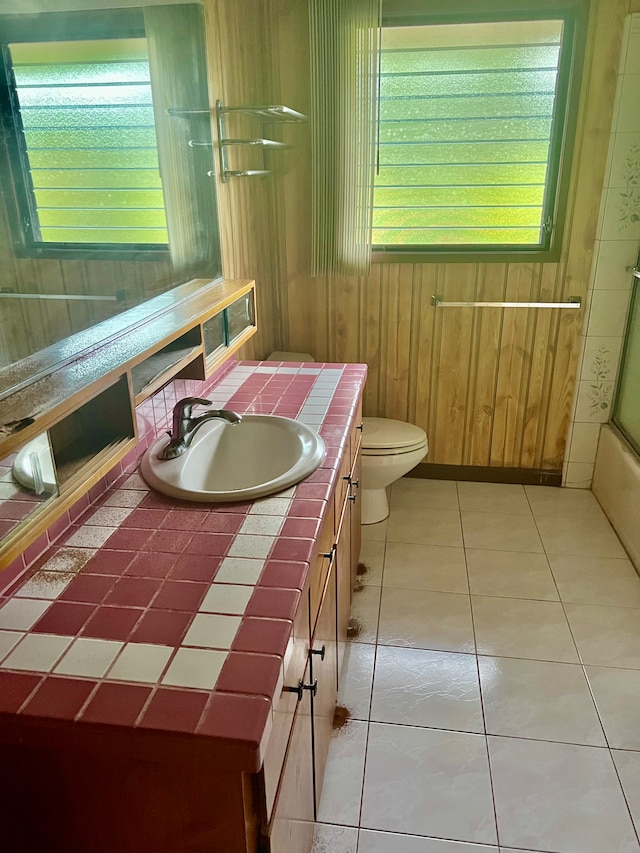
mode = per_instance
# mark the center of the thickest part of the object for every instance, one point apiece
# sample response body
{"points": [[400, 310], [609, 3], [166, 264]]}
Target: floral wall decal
{"points": [[630, 205], [600, 387]]}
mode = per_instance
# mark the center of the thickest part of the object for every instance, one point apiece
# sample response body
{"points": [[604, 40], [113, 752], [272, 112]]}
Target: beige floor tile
{"points": [[404, 790], [510, 574], [342, 786], [499, 531], [551, 500], [392, 842], [596, 580], [365, 608], [440, 621], [372, 556], [435, 567], [617, 695], [425, 526], [538, 699], [329, 838], [356, 680], [579, 537], [408, 492], [559, 797], [493, 497], [513, 627], [424, 688], [374, 532], [606, 636], [628, 767]]}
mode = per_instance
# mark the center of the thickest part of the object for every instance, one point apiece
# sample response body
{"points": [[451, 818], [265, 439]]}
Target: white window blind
{"points": [[470, 129]]}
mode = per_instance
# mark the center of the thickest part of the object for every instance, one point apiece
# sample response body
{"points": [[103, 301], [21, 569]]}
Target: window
{"points": [[474, 133], [84, 143]]}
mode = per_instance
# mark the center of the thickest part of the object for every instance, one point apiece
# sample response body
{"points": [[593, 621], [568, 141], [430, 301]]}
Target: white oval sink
{"points": [[261, 455]]}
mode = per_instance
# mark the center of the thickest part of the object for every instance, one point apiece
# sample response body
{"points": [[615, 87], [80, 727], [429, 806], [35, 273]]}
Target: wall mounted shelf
{"points": [[276, 114]]}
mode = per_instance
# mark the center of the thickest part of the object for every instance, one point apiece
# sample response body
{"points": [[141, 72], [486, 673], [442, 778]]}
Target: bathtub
{"points": [[616, 485]]}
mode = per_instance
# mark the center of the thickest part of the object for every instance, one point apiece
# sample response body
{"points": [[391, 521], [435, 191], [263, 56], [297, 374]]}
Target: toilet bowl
{"points": [[390, 449]]}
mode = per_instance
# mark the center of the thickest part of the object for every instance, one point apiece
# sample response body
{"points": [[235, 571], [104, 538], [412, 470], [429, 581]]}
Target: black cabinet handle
{"points": [[301, 687], [360, 427], [320, 652], [329, 555], [313, 688], [298, 689]]}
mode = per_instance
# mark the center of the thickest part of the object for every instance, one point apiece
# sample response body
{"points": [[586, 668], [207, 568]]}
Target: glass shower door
{"points": [[626, 413]]}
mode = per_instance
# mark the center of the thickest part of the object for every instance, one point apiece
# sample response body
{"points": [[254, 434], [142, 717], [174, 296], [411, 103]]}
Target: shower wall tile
{"points": [[615, 253], [610, 269]]}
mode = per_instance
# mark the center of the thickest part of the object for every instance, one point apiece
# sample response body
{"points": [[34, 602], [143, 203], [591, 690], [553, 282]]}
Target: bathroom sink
{"points": [[262, 455]]}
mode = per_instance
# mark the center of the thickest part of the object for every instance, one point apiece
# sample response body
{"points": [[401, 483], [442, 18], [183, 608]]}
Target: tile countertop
{"points": [[154, 617]]}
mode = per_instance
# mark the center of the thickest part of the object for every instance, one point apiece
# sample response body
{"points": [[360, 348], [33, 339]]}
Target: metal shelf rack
{"points": [[267, 114]]}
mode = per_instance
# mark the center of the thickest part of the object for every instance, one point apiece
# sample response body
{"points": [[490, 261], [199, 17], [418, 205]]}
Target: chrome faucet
{"points": [[185, 426]]}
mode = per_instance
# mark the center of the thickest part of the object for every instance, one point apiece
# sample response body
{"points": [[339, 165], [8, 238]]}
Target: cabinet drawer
{"points": [[285, 705], [291, 827], [320, 568]]}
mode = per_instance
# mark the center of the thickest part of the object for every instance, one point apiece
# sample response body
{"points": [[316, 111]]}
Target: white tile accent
{"points": [[45, 585], [22, 614], [212, 631], [90, 536], [270, 506], [226, 598], [239, 570], [126, 498], [141, 662], [69, 560], [89, 657], [109, 516], [8, 639], [195, 668], [37, 652], [263, 525], [251, 546]]}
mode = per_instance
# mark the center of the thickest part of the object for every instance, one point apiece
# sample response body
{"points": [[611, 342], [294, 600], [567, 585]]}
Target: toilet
{"points": [[390, 449]]}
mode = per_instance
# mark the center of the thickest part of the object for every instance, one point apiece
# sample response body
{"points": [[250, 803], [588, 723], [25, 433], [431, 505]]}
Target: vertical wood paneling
{"points": [[483, 367], [490, 386]]}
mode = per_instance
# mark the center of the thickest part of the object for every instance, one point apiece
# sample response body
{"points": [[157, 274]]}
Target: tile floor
{"points": [[493, 687]]}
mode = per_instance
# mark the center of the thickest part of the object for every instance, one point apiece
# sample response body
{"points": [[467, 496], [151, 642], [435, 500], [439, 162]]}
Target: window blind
{"points": [[467, 121], [89, 132]]}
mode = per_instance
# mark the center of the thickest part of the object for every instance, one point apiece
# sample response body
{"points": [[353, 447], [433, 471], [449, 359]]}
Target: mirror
{"points": [[106, 159]]}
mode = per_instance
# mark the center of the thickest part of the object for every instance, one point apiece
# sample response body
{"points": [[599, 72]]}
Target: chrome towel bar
{"points": [[573, 302]]}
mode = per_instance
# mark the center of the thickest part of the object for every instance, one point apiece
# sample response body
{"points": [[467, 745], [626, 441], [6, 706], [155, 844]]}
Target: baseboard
{"points": [[486, 474]]}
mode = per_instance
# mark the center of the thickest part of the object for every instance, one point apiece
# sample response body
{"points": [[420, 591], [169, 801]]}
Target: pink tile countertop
{"points": [[156, 616]]}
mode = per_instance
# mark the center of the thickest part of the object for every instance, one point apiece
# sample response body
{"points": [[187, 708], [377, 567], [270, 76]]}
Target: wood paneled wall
{"points": [[28, 325], [491, 387]]}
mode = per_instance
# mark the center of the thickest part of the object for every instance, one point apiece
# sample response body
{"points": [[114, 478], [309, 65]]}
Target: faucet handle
{"points": [[184, 407], [182, 413]]}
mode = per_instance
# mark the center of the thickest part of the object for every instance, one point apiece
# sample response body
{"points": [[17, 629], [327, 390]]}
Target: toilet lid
{"points": [[381, 433]]}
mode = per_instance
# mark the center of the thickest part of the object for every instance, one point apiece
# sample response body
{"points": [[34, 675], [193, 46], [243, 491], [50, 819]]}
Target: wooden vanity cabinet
{"points": [[290, 826]]}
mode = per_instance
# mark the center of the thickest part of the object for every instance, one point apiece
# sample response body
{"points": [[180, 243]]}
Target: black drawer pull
{"points": [[320, 652], [299, 689]]}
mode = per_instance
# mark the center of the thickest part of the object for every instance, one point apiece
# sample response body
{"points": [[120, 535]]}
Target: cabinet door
{"points": [[324, 672], [344, 581], [355, 519], [291, 828]]}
